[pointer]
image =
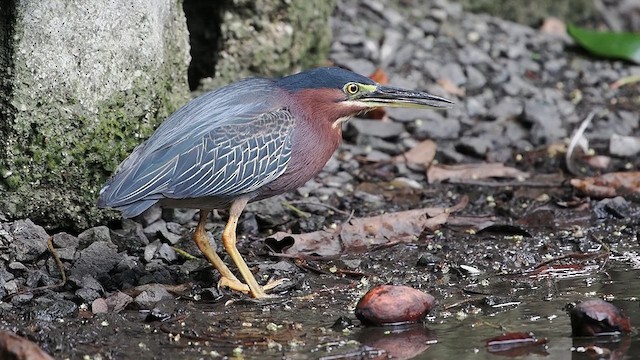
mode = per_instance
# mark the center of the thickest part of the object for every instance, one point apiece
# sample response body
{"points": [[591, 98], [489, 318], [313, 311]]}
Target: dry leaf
{"points": [[451, 88], [381, 78], [362, 233], [553, 25], [421, 154], [437, 173], [608, 185]]}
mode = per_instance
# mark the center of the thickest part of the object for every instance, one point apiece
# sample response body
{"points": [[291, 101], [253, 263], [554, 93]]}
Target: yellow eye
{"points": [[352, 88]]}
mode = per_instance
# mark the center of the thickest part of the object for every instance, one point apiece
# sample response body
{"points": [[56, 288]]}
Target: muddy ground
{"points": [[513, 250]]}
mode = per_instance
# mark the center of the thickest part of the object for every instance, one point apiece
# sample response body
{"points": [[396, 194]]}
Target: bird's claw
{"points": [[237, 285]]}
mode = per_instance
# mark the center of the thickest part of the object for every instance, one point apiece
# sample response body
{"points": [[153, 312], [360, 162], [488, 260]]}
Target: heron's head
{"points": [[339, 94]]}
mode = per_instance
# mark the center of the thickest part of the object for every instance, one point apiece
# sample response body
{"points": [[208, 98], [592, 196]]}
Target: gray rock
{"points": [[166, 252], [436, 126], [131, 236], [95, 234], [148, 298], [64, 240], [151, 249], [98, 258], [475, 78], [64, 70], [159, 229], [118, 301], [453, 72], [150, 215], [90, 289], [29, 240], [507, 108], [547, 123], [180, 216], [620, 145], [47, 309], [381, 129], [477, 146]]}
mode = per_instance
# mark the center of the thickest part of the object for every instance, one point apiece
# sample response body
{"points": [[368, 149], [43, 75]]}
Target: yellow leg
{"points": [[229, 242], [202, 240]]}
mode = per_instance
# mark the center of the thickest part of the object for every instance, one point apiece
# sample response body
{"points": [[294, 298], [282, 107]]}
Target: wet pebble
{"points": [[29, 240], [391, 304], [148, 298], [118, 301], [597, 317]]}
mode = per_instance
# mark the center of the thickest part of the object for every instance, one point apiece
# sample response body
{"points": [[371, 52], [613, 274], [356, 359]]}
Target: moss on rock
{"points": [[81, 98]]}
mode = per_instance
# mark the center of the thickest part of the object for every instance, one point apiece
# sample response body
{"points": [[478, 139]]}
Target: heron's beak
{"points": [[395, 97]]}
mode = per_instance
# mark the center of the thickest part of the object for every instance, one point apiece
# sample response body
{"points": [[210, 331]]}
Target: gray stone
{"points": [[98, 258], [150, 215], [150, 250], [90, 288], [547, 123], [166, 252], [436, 126], [148, 298], [477, 146], [64, 240], [380, 129], [46, 309], [131, 236], [507, 108], [180, 216], [118, 301], [88, 80], [29, 240], [95, 234], [159, 229], [620, 145], [475, 78]]}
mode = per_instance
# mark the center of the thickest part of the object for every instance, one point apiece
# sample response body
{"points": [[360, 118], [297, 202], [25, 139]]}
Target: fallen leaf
{"points": [[516, 344], [360, 234], [15, 347], [608, 185], [615, 45], [381, 78], [421, 154], [553, 25], [450, 87], [438, 173]]}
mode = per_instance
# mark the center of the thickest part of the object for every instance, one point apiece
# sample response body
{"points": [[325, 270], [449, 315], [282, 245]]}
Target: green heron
{"points": [[245, 142]]}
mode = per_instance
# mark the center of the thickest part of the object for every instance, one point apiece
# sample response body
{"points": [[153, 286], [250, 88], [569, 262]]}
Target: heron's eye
{"points": [[352, 88]]}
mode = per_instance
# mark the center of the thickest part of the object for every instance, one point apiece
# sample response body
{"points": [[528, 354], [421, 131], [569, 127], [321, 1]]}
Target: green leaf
{"points": [[608, 44]]}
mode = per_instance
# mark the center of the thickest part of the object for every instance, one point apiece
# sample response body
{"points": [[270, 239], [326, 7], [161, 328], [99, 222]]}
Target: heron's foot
{"points": [[237, 285], [272, 283], [233, 284]]}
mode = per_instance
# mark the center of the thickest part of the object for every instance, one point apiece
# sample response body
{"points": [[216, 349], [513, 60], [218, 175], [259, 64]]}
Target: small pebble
{"points": [[390, 305]]}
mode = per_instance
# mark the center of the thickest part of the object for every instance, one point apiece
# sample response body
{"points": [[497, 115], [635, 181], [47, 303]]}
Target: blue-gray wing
{"points": [[194, 158], [228, 161]]}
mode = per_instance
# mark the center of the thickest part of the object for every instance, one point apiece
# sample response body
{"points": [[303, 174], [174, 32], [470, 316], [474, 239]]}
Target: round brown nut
{"points": [[597, 317], [392, 305]]}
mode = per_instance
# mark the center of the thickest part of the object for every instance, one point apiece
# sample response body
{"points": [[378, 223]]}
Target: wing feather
{"points": [[221, 144]]}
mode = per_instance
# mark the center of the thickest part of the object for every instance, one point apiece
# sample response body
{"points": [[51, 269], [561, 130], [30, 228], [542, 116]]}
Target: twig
{"points": [[296, 210], [332, 208], [575, 139], [183, 253]]}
